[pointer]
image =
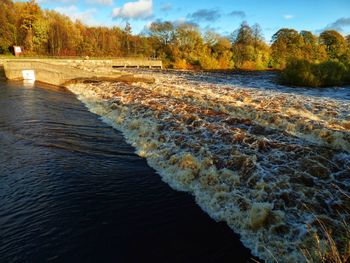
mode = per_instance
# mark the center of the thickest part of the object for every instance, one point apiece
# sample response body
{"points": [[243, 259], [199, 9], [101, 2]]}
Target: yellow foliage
{"points": [[180, 64]]}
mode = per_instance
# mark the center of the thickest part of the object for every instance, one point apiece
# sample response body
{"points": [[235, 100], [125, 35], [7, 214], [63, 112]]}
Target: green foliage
{"points": [[286, 45], [162, 31], [249, 48], [331, 73], [346, 77], [207, 61], [7, 28], [304, 73], [335, 43], [299, 73]]}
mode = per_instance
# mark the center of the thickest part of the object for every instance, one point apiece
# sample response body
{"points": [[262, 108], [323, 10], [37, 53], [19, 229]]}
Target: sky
{"points": [[221, 16]]}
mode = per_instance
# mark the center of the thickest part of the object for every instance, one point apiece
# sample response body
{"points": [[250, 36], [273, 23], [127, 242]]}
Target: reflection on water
{"points": [[269, 162], [71, 190]]}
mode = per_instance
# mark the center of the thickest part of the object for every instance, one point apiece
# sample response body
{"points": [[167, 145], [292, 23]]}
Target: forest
{"points": [[183, 46]]}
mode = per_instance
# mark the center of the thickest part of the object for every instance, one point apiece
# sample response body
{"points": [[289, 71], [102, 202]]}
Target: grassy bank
{"points": [[304, 73]]}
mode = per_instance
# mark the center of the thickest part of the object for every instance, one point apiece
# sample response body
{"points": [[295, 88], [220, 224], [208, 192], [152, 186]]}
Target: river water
{"points": [[72, 190], [271, 162]]}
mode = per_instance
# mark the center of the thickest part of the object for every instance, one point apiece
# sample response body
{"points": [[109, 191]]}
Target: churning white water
{"points": [[269, 164]]}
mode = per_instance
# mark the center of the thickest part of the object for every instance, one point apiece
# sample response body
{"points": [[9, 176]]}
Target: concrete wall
{"points": [[2, 61], [59, 72], [45, 72], [90, 63]]}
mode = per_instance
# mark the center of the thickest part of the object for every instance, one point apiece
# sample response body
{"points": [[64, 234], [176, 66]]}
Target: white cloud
{"points": [[180, 21], [288, 17], [166, 7], [134, 10], [73, 12], [101, 2]]}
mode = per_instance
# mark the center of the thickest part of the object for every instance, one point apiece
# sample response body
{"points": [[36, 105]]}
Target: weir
{"points": [[58, 71]]}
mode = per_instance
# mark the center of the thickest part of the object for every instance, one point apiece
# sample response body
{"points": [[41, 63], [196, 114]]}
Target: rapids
{"points": [[270, 164]]}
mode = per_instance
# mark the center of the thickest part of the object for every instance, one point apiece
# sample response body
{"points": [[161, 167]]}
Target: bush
{"points": [[304, 73], [331, 73], [299, 73], [208, 62], [180, 64], [347, 74]]}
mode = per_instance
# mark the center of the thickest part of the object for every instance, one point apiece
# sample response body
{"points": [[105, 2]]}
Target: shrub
{"points": [[299, 73], [331, 73], [180, 64], [347, 74], [208, 62]]}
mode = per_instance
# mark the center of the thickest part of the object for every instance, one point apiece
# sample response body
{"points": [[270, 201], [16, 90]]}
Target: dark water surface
{"points": [[71, 190]]}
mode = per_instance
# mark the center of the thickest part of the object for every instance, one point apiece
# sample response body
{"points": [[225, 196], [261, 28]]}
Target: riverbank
{"points": [[267, 163]]}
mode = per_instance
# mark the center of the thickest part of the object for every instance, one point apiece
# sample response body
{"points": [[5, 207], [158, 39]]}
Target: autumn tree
{"points": [[348, 40], [286, 44], [335, 44], [8, 31], [63, 35], [249, 48], [28, 13], [219, 50], [312, 51]]}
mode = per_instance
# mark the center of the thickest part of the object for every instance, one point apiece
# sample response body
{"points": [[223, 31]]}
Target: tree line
{"points": [[49, 33]]}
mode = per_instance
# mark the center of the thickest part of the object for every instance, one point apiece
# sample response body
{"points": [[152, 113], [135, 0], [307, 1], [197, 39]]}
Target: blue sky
{"points": [[223, 16]]}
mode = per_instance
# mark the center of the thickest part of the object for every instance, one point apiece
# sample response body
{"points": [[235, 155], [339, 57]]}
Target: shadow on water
{"points": [[72, 190]]}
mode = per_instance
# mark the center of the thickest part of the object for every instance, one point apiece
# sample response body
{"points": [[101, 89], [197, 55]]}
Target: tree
{"points": [[7, 26], [188, 38], [127, 31], [334, 42], [249, 49], [243, 49], [162, 34], [162, 31], [286, 44], [243, 35], [218, 48], [312, 51], [257, 35], [40, 35], [28, 12]]}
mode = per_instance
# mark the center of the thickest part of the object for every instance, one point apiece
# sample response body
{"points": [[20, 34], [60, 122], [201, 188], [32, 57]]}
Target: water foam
{"points": [[265, 162]]}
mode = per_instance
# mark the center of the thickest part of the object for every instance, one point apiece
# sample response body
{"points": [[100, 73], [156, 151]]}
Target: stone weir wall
{"points": [[58, 72], [91, 63], [42, 71]]}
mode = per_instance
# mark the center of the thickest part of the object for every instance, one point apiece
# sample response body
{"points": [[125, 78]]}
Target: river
{"points": [[273, 162], [269, 161], [72, 190]]}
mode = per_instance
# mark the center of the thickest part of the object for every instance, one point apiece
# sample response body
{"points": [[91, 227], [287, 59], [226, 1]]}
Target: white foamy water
{"points": [[267, 163]]}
